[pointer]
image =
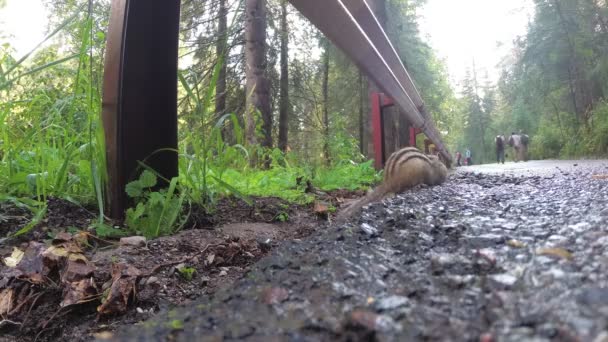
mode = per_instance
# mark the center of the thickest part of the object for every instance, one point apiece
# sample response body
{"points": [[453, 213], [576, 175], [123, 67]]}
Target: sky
{"points": [[460, 31], [24, 21], [464, 32]]}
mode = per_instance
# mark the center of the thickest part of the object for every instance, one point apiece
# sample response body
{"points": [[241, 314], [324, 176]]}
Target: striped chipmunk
{"points": [[404, 169]]}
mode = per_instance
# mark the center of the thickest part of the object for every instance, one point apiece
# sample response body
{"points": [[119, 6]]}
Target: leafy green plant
{"points": [[187, 272], [282, 217], [157, 212]]}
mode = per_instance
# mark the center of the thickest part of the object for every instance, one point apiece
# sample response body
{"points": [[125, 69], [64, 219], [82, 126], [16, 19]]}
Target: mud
{"points": [[215, 249]]}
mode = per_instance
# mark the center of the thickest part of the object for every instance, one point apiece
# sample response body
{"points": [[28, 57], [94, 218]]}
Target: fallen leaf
{"points": [[6, 301], [599, 176], [32, 261], [104, 335], [321, 208], [79, 292], [56, 252], [516, 244], [210, 259], [62, 237], [555, 252], [15, 258], [77, 270], [124, 278], [81, 239]]}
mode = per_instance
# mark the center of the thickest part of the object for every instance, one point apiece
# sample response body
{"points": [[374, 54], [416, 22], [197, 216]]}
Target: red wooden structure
{"points": [[379, 102]]}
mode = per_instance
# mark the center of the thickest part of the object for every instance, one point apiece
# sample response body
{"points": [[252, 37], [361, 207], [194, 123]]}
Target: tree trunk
{"points": [[284, 100], [221, 51], [326, 104], [258, 92]]}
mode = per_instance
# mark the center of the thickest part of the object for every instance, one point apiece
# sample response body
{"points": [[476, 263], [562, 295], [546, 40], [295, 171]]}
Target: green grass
{"points": [[52, 144]]}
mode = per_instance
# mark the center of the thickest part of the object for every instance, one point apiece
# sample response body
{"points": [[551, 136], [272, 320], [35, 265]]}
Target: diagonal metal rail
{"points": [[352, 27]]}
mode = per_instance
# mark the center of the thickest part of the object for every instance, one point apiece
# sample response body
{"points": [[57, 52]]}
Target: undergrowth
{"points": [[52, 145]]}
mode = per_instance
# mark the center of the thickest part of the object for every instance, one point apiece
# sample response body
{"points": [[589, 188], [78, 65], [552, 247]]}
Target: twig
{"points": [[167, 264], [18, 307], [100, 239], [56, 314], [27, 316], [8, 321]]}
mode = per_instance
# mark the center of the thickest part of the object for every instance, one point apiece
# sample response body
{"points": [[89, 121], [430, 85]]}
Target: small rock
{"points": [[274, 295], [135, 241], [372, 321], [152, 281], [516, 244], [556, 273], [502, 281], [264, 244], [439, 262], [485, 240], [391, 302], [140, 310], [601, 337], [369, 230], [596, 298], [487, 337]]}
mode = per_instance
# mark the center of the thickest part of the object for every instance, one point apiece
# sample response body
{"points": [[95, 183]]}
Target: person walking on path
{"points": [[458, 158], [467, 155], [500, 149]]}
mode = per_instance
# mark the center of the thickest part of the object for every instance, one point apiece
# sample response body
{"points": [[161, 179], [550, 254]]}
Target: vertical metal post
{"points": [[140, 93], [378, 133]]}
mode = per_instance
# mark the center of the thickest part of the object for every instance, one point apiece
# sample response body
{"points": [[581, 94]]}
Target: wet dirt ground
{"points": [[217, 248], [520, 255]]}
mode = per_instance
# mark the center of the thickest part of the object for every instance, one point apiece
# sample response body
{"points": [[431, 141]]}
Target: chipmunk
{"points": [[404, 169]]}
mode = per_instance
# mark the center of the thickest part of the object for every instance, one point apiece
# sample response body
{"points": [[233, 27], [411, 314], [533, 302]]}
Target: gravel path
{"points": [[489, 256]]}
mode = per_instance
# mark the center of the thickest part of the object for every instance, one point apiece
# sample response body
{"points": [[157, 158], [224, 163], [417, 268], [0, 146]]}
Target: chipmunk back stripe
{"points": [[402, 157], [400, 163], [390, 163]]}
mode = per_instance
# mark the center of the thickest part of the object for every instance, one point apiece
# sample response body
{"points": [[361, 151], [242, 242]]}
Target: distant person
{"points": [[519, 142], [467, 155], [525, 139], [458, 158], [500, 149]]}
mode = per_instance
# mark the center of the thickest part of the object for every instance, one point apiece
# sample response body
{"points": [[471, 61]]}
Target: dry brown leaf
{"points": [[104, 335], [6, 301], [210, 259], [81, 239], [77, 270], [79, 292], [599, 176], [32, 261], [56, 252], [124, 278], [62, 237], [516, 244], [321, 208], [555, 252], [15, 258]]}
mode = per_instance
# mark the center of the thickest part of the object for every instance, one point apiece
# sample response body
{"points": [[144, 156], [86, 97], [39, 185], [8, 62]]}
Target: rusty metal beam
{"points": [[140, 93], [352, 27]]}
